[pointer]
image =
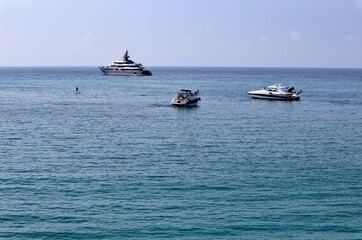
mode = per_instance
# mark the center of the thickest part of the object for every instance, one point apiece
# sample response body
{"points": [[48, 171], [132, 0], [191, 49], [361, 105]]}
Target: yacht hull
{"points": [[286, 97], [125, 72]]}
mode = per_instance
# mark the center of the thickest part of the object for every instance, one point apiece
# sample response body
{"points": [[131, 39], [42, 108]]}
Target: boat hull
{"points": [[191, 103], [286, 97], [125, 72]]}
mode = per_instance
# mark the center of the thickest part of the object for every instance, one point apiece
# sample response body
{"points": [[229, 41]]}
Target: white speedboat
{"points": [[186, 98], [125, 67], [276, 92]]}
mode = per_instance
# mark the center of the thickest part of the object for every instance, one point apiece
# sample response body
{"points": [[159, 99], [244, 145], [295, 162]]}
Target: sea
{"points": [[117, 161]]}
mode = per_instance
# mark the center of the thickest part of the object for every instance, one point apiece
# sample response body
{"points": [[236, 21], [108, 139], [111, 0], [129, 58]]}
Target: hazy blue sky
{"points": [[257, 33]]}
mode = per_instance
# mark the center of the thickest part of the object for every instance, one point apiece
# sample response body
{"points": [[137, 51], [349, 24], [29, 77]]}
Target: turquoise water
{"points": [[119, 162]]}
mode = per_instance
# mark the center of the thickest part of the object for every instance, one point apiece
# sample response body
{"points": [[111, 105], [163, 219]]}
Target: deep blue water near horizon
{"points": [[118, 162]]}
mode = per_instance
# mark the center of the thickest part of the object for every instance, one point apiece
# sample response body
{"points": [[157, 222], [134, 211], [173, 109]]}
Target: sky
{"points": [[235, 33]]}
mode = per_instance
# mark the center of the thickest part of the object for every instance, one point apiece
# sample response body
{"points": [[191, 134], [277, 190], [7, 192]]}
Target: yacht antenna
{"points": [[126, 56]]}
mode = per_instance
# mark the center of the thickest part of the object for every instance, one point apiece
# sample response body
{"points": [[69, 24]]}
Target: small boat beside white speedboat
{"points": [[186, 98], [276, 92]]}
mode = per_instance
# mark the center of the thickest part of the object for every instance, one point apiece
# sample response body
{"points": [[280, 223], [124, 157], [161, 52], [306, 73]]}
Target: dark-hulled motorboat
{"points": [[186, 98]]}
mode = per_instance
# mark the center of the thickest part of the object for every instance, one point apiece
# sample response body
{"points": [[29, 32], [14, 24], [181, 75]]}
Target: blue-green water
{"points": [[118, 162]]}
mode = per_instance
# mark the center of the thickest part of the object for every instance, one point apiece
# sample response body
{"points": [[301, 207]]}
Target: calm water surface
{"points": [[118, 162]]}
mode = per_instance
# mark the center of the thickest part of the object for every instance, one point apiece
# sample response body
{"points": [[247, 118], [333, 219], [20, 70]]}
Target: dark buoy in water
{"points": [[77, 90]]}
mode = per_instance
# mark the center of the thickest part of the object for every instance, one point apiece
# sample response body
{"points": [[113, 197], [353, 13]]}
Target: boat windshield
{"points": [[276, 88], [183, 95], [184, 91]]}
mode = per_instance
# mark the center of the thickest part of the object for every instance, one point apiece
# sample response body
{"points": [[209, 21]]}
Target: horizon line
{"points": [[180, 66]]}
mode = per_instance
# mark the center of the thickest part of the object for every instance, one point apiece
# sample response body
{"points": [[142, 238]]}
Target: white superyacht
{"points": [[125, 67]]}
